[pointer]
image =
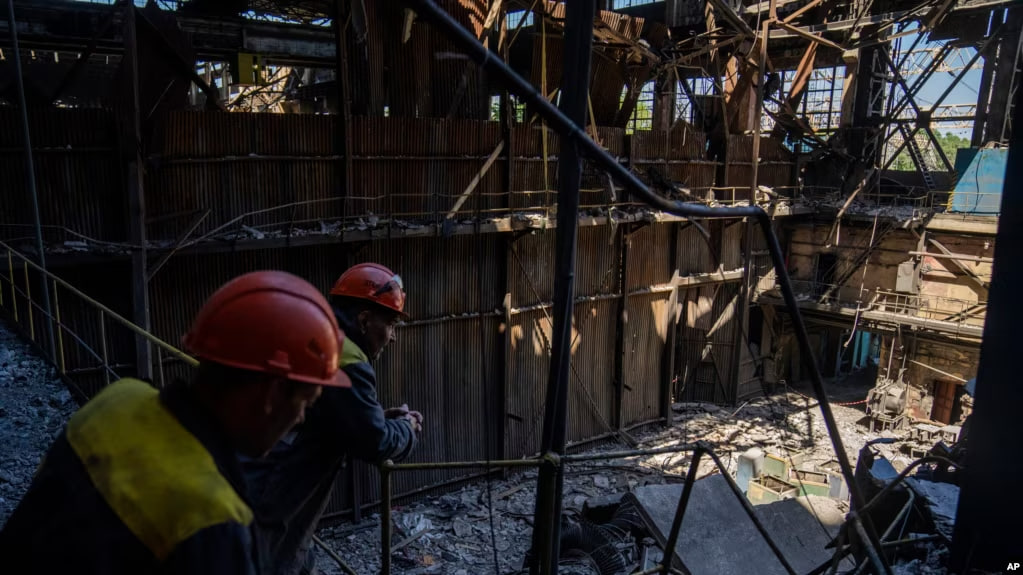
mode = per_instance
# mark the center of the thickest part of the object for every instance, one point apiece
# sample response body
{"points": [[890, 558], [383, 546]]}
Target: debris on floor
{"points": [[776, 437], [34, 406], [450, 533]]}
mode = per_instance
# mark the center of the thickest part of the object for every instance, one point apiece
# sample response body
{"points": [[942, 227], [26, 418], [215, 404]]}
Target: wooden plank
{"points": [[476, 179]]}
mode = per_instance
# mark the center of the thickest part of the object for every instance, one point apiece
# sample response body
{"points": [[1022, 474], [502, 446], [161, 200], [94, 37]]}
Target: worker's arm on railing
{"points": [[356, 423]]}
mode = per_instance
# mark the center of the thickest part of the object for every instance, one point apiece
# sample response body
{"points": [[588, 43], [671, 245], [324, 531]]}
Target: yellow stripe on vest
{"points": [[351, 353], [156, 476]]}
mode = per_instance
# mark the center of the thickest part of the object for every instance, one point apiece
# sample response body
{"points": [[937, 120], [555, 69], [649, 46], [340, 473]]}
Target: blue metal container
{"points": [[981, 178]]}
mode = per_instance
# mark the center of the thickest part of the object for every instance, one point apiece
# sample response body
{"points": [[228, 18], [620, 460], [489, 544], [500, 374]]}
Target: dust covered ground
{"points": [[451, 532], [34, 406]]}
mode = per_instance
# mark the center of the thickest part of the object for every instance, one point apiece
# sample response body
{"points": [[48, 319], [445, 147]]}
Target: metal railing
{"points": [[18, 275], [931, 307], [14, 285]]}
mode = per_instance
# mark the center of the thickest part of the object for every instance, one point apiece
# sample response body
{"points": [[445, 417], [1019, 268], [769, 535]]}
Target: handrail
{"points": [[57, 353]]}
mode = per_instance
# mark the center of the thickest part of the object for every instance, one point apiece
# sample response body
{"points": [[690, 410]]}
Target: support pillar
{"points": [[574, 95], [30, 176], [132, 150], [988, 531]]}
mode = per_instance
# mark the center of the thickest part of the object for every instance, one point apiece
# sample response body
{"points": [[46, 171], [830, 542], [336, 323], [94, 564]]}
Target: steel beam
{"points": [[988, 532], [131, 148], [30, 174], [570, 131], [575, 89]]}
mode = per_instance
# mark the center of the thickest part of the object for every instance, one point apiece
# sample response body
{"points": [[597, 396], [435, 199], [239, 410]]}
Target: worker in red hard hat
{"points": [[296, 479], [148, 481]]}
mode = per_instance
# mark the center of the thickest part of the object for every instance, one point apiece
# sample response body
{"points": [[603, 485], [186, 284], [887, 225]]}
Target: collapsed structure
{"points": [[183, 143]]}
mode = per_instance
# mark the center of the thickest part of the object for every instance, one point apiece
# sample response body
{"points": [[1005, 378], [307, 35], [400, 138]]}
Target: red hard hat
{"points": [[271, 322], [373, 282]]}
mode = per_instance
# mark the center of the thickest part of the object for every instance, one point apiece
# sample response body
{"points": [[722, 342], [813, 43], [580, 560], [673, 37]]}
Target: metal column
{"points": [[988, 532], [30, 173], [575, 87], [132, 150]]}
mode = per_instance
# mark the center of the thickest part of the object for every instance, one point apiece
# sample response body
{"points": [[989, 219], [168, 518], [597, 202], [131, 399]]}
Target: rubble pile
{"points": [[34, 406], [450, 533]]}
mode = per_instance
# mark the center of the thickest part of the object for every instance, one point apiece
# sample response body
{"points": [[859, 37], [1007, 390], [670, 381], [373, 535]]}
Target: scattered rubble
{"points": [[451, 534], [34, 406]]}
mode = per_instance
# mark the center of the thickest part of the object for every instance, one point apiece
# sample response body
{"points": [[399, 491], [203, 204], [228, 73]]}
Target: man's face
{"points": [[284, 407], [380, 331]]}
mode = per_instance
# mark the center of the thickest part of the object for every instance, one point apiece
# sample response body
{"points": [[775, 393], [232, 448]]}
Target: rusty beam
{"points": [[476, 179], [727, 13], [809, 6], [810, 36], [960, 257], [802, 78], [759, 111], [969, 273]]}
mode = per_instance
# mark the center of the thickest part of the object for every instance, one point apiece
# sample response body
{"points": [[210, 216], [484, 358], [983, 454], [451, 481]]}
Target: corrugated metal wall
{"points": [[236, 164], [78, 177]]}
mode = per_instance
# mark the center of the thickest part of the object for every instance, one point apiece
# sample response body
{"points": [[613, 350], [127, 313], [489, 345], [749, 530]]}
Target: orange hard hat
{"points": [[372, 282], [271, 322]]}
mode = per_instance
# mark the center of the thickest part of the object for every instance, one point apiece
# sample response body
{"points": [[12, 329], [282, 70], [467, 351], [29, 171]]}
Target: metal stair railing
{"points": [[18, 274], [917, 155]]}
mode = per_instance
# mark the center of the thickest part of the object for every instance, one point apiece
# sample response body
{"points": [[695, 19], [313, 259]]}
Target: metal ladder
{"points": [[918, 157]]}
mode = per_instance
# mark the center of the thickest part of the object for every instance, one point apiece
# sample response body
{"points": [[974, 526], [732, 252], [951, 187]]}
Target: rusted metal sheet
{"points": [[650, 256], [265, 170], [731, 244], [694, 252], [776, 166], [528, 365], [645, 337], [78, 178], [591, 389], [678, 154], [597, 261], [706, 352]]}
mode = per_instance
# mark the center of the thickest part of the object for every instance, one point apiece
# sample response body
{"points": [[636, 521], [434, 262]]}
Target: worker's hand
{"points": [[417, 421], [396, 412]]}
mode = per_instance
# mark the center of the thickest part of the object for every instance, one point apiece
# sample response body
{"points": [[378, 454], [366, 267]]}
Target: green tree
{"points": [[949, 143]]}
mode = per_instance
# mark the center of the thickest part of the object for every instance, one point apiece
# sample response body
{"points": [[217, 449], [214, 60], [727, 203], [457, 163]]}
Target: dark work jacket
{"points": [[292, 485], [139, 482]]}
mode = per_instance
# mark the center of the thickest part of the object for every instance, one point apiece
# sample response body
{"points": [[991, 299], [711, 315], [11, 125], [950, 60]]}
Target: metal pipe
{"points": [[463, 464], [960, 257], [570, 131], [103, 343], [385, 518], [60, 333], [680, 511], [575, 83], [10, 274], [28, 298], [623, 454], [945, 373], [872, 551], [333, 555], [899, 518], [30, 171]]}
